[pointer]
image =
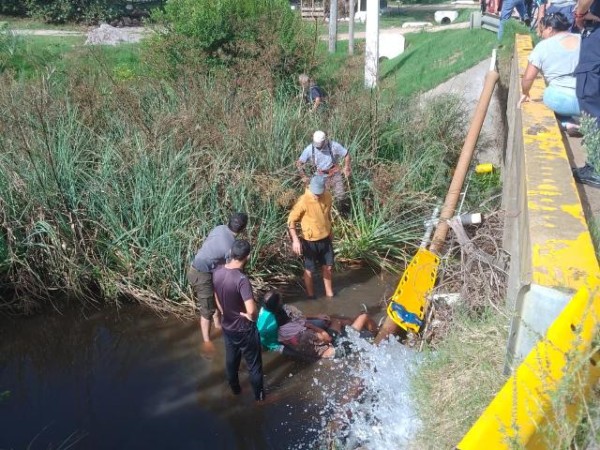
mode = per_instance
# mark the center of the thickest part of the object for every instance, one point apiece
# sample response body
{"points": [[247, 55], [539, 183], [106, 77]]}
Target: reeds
{"points": [[108, 186]]}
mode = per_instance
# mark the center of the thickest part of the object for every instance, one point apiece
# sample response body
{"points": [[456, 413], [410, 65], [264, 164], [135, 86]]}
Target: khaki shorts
{"points": [[203, 289]]}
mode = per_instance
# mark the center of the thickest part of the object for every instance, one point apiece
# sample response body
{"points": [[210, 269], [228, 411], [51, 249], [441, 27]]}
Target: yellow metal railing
{"points": [[547, 390]]}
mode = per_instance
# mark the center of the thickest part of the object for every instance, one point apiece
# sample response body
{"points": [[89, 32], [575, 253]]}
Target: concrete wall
{"points": [[552, 256]]}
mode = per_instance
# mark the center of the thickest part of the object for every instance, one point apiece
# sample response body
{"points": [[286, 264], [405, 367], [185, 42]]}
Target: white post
{"points": [[372, 48], [351, 5], [333, 15]]}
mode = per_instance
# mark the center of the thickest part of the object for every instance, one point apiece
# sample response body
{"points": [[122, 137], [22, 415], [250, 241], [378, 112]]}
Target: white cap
{"points": [[319, 137]]}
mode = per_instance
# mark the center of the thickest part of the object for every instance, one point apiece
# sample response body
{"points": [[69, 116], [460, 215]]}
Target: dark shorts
{"points": [[317, 252], [204, 292]]}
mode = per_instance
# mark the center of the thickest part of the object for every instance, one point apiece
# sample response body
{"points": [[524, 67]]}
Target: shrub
{"points": [[590, 130], [228, 31]]}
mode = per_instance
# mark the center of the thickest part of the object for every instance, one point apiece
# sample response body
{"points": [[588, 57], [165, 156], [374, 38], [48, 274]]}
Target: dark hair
{"points": [[558, 21], [237, 222], [272, 303], [240, 249]]}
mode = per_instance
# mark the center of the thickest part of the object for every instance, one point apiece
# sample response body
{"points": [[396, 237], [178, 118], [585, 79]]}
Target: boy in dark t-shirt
{"points": [[236, 303]]}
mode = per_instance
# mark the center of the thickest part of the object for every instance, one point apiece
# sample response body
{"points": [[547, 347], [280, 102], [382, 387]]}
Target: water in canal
{"points": [[128, 379]]}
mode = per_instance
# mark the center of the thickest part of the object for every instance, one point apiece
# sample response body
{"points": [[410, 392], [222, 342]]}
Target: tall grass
{"points": [[108, 184]]}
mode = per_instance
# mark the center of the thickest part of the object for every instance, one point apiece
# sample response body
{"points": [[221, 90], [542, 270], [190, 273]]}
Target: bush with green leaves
{"points": [[591, 131], [227, 31]]}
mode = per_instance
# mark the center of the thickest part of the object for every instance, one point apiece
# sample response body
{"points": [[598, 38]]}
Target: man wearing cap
{"points": [[235, 300], [213, 253], [329, 159], [313, 212]]}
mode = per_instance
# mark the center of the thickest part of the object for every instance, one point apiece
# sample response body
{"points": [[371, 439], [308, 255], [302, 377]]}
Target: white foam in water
{"points": [[368, 398]]}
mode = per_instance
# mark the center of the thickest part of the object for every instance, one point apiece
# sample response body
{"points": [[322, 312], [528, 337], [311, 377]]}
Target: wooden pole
{"points": [[462, 167]]}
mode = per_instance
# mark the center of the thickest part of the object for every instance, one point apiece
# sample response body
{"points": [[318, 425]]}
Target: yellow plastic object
{"points": [[412, 290], [484, 168]]}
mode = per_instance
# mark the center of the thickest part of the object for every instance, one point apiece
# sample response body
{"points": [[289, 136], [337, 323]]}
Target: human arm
{"points": [[251, 312], [316, 103], [218, 302], [531, 72], [581, 10], [321, 334], [300, 166], [347, 167], [295, 217]]}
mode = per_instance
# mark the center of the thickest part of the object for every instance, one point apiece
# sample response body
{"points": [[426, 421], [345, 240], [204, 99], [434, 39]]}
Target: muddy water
{"points": [[112, 379]]}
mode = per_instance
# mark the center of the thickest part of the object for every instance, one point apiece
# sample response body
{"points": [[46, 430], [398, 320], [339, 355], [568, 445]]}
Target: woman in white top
{"points": [[556, 56]]}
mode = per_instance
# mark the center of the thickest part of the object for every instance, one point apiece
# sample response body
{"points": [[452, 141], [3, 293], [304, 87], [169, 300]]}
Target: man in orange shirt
{"points": [[313, 212]]}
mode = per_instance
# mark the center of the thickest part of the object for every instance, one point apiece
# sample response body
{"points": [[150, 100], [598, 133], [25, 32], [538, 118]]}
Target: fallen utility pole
{"points": [[409, 303]]}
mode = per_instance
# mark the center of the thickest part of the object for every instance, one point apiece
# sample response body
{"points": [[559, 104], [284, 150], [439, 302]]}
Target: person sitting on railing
{"points": [[556, 56]]}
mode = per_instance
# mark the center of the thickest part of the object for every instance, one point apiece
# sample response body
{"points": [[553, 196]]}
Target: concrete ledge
{"points": [[552, 257], [552, 254]]}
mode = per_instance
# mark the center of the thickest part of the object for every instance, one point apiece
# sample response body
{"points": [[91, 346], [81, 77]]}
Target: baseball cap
{"points": [[319, 137], [317, 185]]}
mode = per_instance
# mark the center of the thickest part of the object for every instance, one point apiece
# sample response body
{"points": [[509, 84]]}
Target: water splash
{"points": [[367, 397]]}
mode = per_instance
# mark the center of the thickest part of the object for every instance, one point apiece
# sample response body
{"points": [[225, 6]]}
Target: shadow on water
{"points": [[129, 379]]}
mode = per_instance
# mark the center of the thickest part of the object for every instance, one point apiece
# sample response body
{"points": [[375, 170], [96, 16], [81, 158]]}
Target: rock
{"points": [[108, 35], [126, 22], [416, 24], [136, 22]]}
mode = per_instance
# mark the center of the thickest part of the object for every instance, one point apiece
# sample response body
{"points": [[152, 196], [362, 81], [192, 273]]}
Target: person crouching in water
{"points": [[308, 336]]}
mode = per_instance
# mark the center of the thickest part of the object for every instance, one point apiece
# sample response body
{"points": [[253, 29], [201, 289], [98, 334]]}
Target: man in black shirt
{"points": [[236, 303]]}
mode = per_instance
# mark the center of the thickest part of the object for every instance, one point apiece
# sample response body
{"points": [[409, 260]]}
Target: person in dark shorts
{"points": [[313, 212], [213, 253], [235, 300]]}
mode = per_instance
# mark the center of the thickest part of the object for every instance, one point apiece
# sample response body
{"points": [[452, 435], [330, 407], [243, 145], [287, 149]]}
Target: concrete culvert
{"points": [[445, 21]]}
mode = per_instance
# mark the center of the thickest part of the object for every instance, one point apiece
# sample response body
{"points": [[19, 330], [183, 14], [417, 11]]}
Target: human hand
{"points": [[524, 98], [247, 316], [296, 247], [347, 171], [324, 317]]}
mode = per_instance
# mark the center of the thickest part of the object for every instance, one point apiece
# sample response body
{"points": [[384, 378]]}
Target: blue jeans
{"points": [[587, 73], [562, 101], [506, 13]]}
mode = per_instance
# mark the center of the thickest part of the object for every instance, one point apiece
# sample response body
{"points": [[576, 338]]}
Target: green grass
{"points": [[396, 20], [459, 378], [31, 54], [432, 58], [24, 23]]}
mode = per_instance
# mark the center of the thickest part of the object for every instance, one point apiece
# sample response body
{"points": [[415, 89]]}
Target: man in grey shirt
{"points": [[213, 253], [328, 159]]}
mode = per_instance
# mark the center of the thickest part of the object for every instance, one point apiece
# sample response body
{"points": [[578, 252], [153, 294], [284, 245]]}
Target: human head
{"points": [[304, 80], [317, 185], [272, 300], [554, 22], [237, 222], [319, 138], [240, 250]]}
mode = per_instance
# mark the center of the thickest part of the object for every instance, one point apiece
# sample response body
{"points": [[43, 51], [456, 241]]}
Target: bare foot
{"points": [[208, 350]]}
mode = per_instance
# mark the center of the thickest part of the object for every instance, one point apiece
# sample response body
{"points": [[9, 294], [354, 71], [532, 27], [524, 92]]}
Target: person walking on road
{"points": [[313, 211], [236, 303], [211, 254], [329, 159]]}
